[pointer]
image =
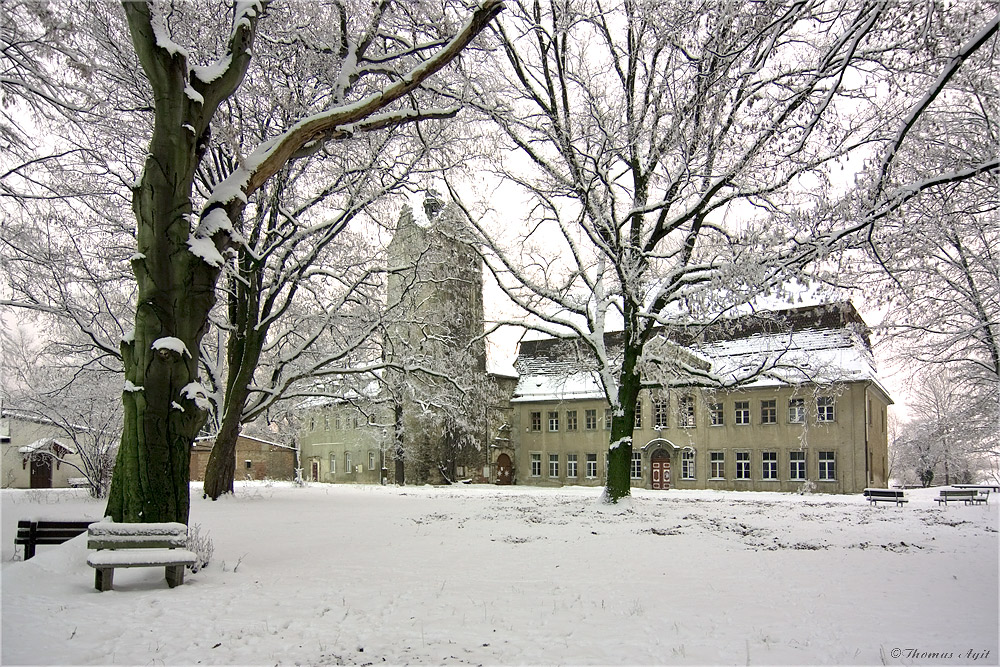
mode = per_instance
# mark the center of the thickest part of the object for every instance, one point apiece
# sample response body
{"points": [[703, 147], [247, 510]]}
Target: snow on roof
{"points": [[45, 446], [822, 345]]}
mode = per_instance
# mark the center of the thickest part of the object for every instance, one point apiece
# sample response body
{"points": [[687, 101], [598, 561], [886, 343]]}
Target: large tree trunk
{"points": [[164, 404], [619, 483]]}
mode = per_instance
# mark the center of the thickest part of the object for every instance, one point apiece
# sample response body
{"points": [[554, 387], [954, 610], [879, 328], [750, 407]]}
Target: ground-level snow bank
{"points": [[488, 575]]}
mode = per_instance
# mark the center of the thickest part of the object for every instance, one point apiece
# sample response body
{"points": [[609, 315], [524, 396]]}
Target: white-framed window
{"points": [[248, 464], [571, 420], [312, 423], [333, 464], [687, 464], [741, 412], [685, 411], [797, 465], [717, 465], [638, 414], [796, 411], [742, 465], [590, 420], [769, 465], [326, 422], [536, 464], [553, 465], [636, 467], [591, 466], [825, 409], [716, 414], [661, 408], [828, 466], [347, 462], [337, 423], [607, 419], [769, 411], [571, 462], [371, 460], [553, 422], [536, 421]]}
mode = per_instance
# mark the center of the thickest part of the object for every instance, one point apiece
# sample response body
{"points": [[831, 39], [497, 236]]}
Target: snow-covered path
{"points": [[488, 575]]}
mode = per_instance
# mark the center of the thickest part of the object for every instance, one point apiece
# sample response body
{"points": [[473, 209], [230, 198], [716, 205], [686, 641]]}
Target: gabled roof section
{"points": [[814, 344]]}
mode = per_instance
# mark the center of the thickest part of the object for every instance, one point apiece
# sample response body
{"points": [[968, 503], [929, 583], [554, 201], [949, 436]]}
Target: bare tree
{"points": [[42, 383], [677, 159]]}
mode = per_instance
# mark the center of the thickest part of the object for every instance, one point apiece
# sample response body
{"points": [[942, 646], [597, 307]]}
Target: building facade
{"points": [[255, 459], [814, 418], [36, 454]]}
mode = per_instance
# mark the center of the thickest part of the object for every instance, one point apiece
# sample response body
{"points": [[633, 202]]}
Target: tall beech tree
{"points": [[682, 157], [182, 250]]}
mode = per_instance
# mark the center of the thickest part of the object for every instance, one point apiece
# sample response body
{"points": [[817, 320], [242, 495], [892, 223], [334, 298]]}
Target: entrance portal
{"points": [[660, 466], [505, 470]]}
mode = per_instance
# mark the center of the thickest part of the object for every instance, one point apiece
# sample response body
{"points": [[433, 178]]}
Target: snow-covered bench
{"points": [[967, 495], [876, 496], [31, 533], [138, 545]]}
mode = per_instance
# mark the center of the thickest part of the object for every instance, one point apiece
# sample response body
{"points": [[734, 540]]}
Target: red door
{"points": [[660, 467], [505, 470]]}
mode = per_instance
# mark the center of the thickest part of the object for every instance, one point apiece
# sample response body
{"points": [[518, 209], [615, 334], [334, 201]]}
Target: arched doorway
{"points": [[505, 470], [659, 464]]}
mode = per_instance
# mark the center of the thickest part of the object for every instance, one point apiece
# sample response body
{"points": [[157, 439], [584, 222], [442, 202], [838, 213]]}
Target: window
{"points": [[827, 466], [660, 408], [717, 464], [571, 465], [536, 464], [716, 414], [638, 415], [553, 465], [636, 472], [248, 464], [326, 423], [825, 411], [347, 462], [769, 465], [685, 411], [742, 465], [333, 464], [338, 424], [536, 421], [797, 465], [591, 466], [607, 419], [355, 422], [553, 422], [742, 411], [371, 460], [312, 423], [769, 411], [590, 420], [571, 421], [687, 464], [796, 411]]}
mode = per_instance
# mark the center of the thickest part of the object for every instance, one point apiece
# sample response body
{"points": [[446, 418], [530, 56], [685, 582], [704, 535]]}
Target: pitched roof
{"points": [[815, 344]]}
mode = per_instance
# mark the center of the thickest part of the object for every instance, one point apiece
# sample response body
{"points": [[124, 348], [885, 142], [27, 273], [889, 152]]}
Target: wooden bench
{"points": [[32, 533], [967, 495], [138, 545], [876, 496]]}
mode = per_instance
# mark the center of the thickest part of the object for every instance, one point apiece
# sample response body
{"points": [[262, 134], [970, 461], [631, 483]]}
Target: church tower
{"points": [[435, 347]]}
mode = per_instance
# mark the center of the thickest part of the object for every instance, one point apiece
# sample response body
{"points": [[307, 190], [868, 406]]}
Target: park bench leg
{"points": [[103, 578], [175, 575]]}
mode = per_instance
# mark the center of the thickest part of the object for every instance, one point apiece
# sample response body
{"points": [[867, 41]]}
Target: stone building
{"points": [[430, 416], [255, 459], [814, 417]]}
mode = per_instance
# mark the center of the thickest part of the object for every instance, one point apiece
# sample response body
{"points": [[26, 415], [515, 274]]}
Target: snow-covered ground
{"points": [[487, 575]]}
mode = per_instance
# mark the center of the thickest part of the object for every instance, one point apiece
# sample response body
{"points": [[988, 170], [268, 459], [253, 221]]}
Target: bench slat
{"points": [[141, 558]]}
